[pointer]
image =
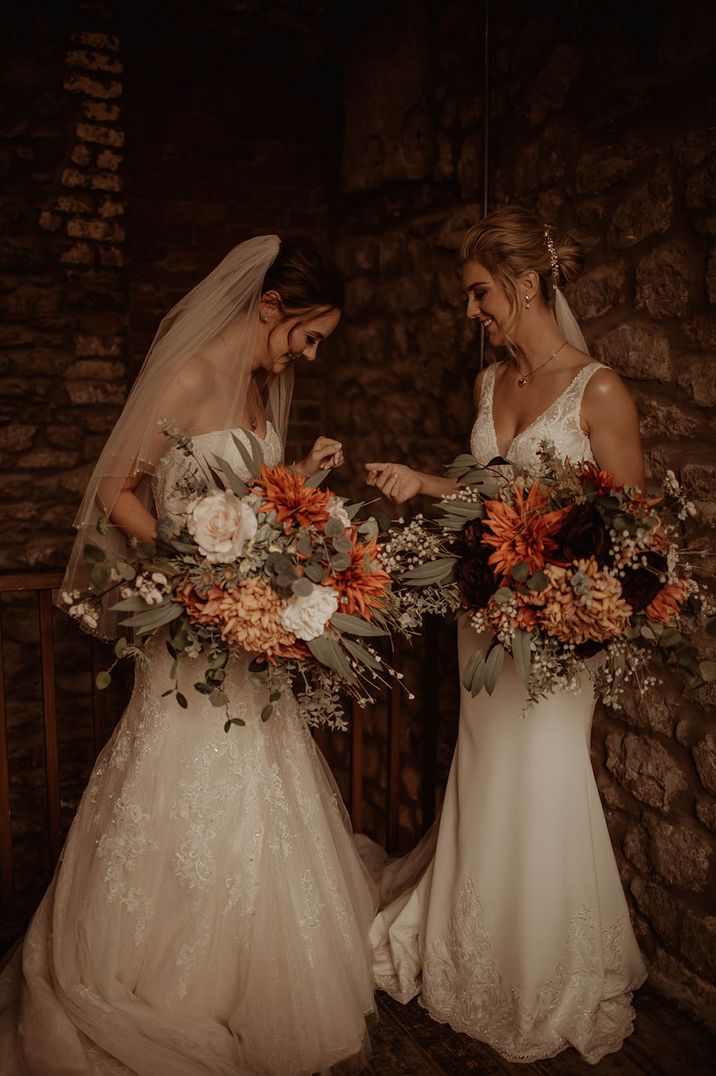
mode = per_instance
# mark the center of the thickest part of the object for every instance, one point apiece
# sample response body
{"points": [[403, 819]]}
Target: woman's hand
{"points": [[325, 454], [395, 480]]}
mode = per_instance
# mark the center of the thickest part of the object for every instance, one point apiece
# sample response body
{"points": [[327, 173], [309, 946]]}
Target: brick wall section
{"points": [[602, 118]]}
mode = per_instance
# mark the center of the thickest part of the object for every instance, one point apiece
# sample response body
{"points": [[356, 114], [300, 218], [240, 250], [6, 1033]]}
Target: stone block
{"points": [[74, 203], [112, 257], [601, 168], [16, 438], [100, 134], [697, 375], [660, 418], [46, 459], [81, 156], [678, 853], [92, 87], [695, 147], [101, 111], [701, 330], [700, 190], [452, 231], [109, 161], [661, 910], [88, 345], [32, 302], [711, 275], [698, 943], [49, 222], [96, 40], [78, 254], [646, 210], [94, 61], [663, 280], [706, 813], [95, 392], [549, 89], [646, 768], [106, 181], [470, 165], [700, 478], [95, 228], [704, 753], [669, 976], [110, 208], [635, 846], [638, 351], [597, 291], [96, 370]]}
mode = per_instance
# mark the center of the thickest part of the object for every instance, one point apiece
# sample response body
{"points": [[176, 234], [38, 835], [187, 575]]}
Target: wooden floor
{"points": [[666, 1042]]}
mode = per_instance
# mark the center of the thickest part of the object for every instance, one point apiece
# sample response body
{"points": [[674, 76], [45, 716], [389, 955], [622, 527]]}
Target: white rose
{"points": [[307, 617], [335, 508], [221, 525]]}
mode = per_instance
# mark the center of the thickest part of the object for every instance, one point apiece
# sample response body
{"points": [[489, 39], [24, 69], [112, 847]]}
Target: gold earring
{"points": [[527, 301]]}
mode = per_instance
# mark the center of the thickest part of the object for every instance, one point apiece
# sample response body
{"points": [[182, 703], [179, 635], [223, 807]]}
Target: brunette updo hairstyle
{"points": [[306, 278], [510, 242]]}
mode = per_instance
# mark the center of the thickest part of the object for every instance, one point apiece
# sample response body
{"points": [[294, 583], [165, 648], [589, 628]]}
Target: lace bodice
{"points": [[559, 423], [174, 466]]}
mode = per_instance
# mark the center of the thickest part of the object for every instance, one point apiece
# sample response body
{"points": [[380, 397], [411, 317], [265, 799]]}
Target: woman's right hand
{"points": [[395, 480]]}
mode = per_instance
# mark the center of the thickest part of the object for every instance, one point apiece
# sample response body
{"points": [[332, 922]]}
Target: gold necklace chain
{"points": [[522, 379]]}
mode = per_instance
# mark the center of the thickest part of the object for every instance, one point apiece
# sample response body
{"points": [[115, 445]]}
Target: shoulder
{"points": [[606, 395], [195, 376]]}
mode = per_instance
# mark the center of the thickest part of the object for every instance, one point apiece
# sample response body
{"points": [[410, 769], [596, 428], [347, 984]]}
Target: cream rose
{"points": [[221, 525], [335, 508], [307, 617]]}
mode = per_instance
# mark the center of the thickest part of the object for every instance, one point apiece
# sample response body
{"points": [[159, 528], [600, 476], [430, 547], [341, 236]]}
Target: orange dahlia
{"points": [[362, 585], [667, 604], [201, 610], [285, 492], [521, 531]]}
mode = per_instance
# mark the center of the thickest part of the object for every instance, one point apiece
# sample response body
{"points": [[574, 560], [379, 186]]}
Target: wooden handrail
{"points": [[40, 579]]}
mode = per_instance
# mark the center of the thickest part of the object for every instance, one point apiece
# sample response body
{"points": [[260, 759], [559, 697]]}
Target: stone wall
{"points": [[602, 117]]}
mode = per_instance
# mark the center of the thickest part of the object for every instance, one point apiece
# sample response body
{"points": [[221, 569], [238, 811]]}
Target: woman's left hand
{"points": [[325, 454]]}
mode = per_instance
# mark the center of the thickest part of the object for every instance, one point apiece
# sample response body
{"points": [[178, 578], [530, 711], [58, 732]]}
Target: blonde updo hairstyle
{"points": [[512, 241]]}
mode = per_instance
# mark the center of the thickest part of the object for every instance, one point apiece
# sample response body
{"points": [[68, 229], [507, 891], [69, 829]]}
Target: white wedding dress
{"points": [[210, 914], [509, 917]]}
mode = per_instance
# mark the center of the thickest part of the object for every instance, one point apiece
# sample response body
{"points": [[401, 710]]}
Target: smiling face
{"points": [[487, 302], [288, 337]]}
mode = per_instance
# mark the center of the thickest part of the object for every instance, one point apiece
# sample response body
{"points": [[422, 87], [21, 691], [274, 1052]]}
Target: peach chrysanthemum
{"points": [[566, 617], [525, 615], [666, 606], [285, 492], [201, 610], [522, 531], [251, 618], [362, 585]]}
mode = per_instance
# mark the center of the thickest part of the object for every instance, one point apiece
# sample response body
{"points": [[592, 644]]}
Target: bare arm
{"points": [[612, 423], [130, 515]]}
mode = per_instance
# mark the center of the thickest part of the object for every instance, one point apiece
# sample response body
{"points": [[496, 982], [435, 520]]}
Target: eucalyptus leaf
{"points": [[315, 572], [493, 667], [181, 699], [341, 562], [203, 688], [126, 570], [326, 650], [252, 462], [302, 587], [368, 528], [342, 544], [538, 581], [431, 572], [93, 554], [99, 576], [120, 647], [521, 571], [522, 654], [234, 483], [304, 545], [333, 528], [316, 478], [504, 595], [218, 698], [352, 510], [102, 680], [266, 712], [355, 625], [478, 677], [471, 666]]}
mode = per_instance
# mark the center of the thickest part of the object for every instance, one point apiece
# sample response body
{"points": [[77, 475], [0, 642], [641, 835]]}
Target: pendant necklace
{"points": [[522, 379], [253, 420]]}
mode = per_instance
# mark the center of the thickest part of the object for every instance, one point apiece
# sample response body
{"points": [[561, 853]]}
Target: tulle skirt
{"points": [[209, 914]]}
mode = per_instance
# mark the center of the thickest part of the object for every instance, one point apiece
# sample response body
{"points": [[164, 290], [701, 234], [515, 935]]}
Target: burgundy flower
{"points": [[474, 575], [641, 585], [583, 535]]}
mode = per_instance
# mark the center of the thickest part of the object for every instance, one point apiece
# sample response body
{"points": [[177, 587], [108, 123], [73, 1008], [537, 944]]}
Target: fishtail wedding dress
{"points": [[509, 918]]}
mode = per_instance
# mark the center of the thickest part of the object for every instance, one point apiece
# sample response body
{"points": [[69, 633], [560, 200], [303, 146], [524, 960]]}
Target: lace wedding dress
{"points": [[509, 917], [210, 913]]}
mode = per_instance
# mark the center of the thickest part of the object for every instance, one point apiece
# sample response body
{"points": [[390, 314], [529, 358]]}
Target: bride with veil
{"points": [[509, 918], [209, 913]]}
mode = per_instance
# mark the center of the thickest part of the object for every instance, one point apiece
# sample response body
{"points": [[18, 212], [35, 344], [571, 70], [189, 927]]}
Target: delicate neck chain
{"points": [[253, 419], [522, 379]]}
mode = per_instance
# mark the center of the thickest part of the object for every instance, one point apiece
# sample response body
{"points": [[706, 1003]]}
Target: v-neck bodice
{"points": [[559, 423]]}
